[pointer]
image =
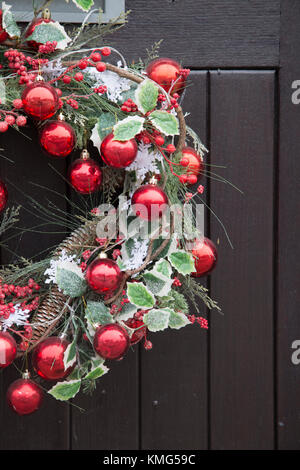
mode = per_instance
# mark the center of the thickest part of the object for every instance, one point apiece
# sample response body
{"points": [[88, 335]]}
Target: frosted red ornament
{"points": [[48, 358], [205, 256], [195, 161], [103, 275], [8, 349], [3, 196], [165, 71], [40, 100], [85, 174], [24, 396], [150, 202], [57, 138], [45, 18], [3, 33], [111, 341], [140, 330], [116, 153]]}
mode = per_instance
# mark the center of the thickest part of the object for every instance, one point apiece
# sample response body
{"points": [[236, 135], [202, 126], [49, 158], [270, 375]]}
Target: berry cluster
{"points": [[129, 106], [12, 117], [11, 294], [202, 322], [184, 73], [73, 103], [176, 282], [48, 47], [100, 89]]}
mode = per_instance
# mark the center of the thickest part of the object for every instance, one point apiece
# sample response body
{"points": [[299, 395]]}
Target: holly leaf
{"points": [[84, 5], [127, 312], [70, 355], [102, 128], [139, 295], [2, 91], [97, 312], [178, 320], [146, 96], [157, 319], [128, 128], [182, 261], [71, 281], [163, 267], [157, 283], [52, 31], [8, 22], [165, 122], [96, 372], [65, 390]]}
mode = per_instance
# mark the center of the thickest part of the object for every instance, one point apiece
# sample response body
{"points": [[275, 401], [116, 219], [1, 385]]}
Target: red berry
{"points": [[184, 162], [192, 179], [159, 140], [10, 119], [78, 77], [58, 91], [82, 64], [96, 57], [183, 179], [21, 121], [3, 126], [101, 67], [67, 79], [171, 148], [106, 51]]}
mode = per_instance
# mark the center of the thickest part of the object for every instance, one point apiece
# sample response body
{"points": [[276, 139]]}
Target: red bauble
{"points": [[3, 33], [57, 138], [85, 174], [8, 349], [40, 100], [205, 256], [24, 396], [195, 165], [150, 200], [118, 154], [140, 328], [103, 275], [48, 359], [111, 341], [3, 195], [164, 72], [30, 29]]}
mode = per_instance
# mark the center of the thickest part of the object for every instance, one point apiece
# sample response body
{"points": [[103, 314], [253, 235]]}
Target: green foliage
{"points": [[195, 291], [128, 128], [178, 320], [65, 390], [182, 261], [175, 300], [139, 295], [50, 32], [70, 282], [146, 96], [84, 5], [98, 313], [157, 319], [165, 122]]}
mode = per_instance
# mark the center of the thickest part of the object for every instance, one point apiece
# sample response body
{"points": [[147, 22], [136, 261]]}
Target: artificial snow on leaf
{"points": [[146, 96], [50, 32], [178, 320], [65, 390], [71, 280], [96, 372], [163, 267], [2, 92], [157, 283], [98, 313], [182, 261], [128, 310], [165, 122], [139, 295], [157, 319], [70, 355], [128, 128], [84, 5], [8, 22]]}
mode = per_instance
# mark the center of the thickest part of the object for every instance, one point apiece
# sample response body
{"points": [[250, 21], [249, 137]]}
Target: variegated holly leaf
{"points": [[52, 31], [84, 5], [182, 261], [97, 312], [157, 283], [163, 267], [157, 319], [165, 122], [96, 372], [128, 128], [128, 310], [8, 22], [146, 96], [139, 295], [70, 355], [65, 390], [102, 128], [71, 280], [178, 320], [2, 92]]}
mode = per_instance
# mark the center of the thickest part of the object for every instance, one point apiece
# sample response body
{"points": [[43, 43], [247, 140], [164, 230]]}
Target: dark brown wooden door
{"points": [[234, 387]]}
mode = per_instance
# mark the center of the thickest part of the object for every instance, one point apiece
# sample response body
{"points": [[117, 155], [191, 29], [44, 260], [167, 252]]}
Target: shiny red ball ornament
{"points": [[111, 341], [150, 201], [3, 196], [164, 71], [85, 174], [118, 154], [140, 330], [31, 27], [195, 165], [40, 100], [8, 349], [48, 358], [24, 396], [57, 138], [103, 275], [205, 256], [3, 33]]}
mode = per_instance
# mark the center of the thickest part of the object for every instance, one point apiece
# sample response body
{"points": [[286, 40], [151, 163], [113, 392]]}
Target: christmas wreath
{"points": [[126, 269]]}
